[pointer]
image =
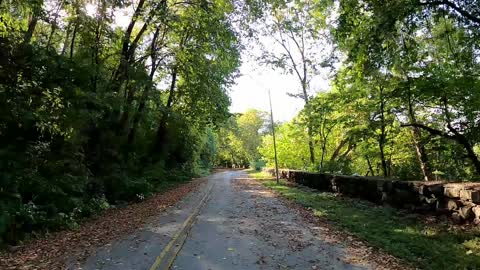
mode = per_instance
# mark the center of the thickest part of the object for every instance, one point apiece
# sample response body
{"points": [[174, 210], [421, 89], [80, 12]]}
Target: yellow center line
{"points": [[180, 235]]}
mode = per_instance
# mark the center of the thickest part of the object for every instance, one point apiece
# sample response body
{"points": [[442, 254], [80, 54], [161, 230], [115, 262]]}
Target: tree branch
{"points": [[452, 5], [294, 64], [430, 130]]}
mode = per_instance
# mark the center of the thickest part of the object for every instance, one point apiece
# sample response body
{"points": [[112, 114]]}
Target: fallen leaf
{"points": [[52, 251]]}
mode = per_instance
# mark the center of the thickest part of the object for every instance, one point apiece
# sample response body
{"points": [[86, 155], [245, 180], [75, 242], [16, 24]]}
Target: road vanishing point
{"points": [[230, 222]]}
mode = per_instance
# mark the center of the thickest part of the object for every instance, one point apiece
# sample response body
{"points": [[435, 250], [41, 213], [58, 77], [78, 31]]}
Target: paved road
{"points": [[240, 225]]}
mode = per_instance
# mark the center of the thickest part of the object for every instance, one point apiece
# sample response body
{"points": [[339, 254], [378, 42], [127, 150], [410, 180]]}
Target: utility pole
{"points": [[273, 134]]}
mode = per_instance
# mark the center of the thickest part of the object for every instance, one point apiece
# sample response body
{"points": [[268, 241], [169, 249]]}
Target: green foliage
{"points": [[424, 57], [240, 138], [292, 150], [257, 165], [404, 100], [423, 245], [94, 113]]}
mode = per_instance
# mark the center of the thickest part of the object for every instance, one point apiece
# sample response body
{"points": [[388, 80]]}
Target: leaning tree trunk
{"points": [[339, 147], [74, 36], [460, 138], [67, 37], [470, 153], [421, 154], [32, 24], [419, 146]]}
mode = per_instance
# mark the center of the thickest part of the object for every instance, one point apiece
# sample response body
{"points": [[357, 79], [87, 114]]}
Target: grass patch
{"points": [[259, 174], [423, 245]]}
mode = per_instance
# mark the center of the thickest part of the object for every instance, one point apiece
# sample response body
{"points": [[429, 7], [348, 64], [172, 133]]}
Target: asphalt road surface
{"points": [[229, 223]]}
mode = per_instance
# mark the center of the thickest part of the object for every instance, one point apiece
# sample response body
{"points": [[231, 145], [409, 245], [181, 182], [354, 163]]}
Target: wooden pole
{"points": [[273, 134]]}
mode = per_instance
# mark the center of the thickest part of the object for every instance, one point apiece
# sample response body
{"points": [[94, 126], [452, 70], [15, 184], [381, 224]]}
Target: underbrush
{"points": [[425, 244], [49, 208]]}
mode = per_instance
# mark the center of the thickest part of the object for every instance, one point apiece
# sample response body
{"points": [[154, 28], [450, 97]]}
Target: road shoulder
{"points": [[357, 251], [71, 248]]}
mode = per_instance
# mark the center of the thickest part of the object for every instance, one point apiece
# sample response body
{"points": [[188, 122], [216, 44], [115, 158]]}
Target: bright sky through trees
{"points": [[102, 101], [250, 90]]}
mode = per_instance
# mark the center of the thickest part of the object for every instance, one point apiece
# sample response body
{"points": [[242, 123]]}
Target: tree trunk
{"points": [[136, 119], [161, 138], [302, 77], [337, 150], [121, 73], [52, 32], [350, 147], [324, 146], [419, 147], [384, 162], [67, 37], [54, 26], [146, 92], [466, 15], [129, 47], [124, 120], [96, 47], [72, 44], [470, 153], [421, 154], [32, 24], [459, 138], [311, 146], [370, 168], [171, 94], [383, 136]]}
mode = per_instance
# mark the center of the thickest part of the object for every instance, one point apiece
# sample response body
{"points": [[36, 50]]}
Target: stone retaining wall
{"points": [[461, 201]]}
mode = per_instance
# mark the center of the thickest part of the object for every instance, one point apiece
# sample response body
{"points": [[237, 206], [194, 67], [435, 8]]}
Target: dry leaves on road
{"points": [[357, 251], [53, 251]]}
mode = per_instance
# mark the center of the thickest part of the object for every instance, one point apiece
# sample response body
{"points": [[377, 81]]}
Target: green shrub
{"points": [[258, 164], [91, 207], [155, 174], [121, 187]]}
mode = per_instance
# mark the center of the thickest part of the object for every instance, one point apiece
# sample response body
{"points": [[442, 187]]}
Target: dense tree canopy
{"points": [[304, 47], [240, 138], [103, 102], [406, 97]]}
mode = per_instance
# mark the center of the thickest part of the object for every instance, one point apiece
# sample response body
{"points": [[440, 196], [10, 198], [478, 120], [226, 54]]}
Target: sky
{"points": [[251, 90]]}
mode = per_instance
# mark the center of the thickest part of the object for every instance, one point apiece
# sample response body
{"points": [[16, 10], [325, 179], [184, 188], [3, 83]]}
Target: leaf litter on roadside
{"points": [[53, 251], [358, 252]]}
